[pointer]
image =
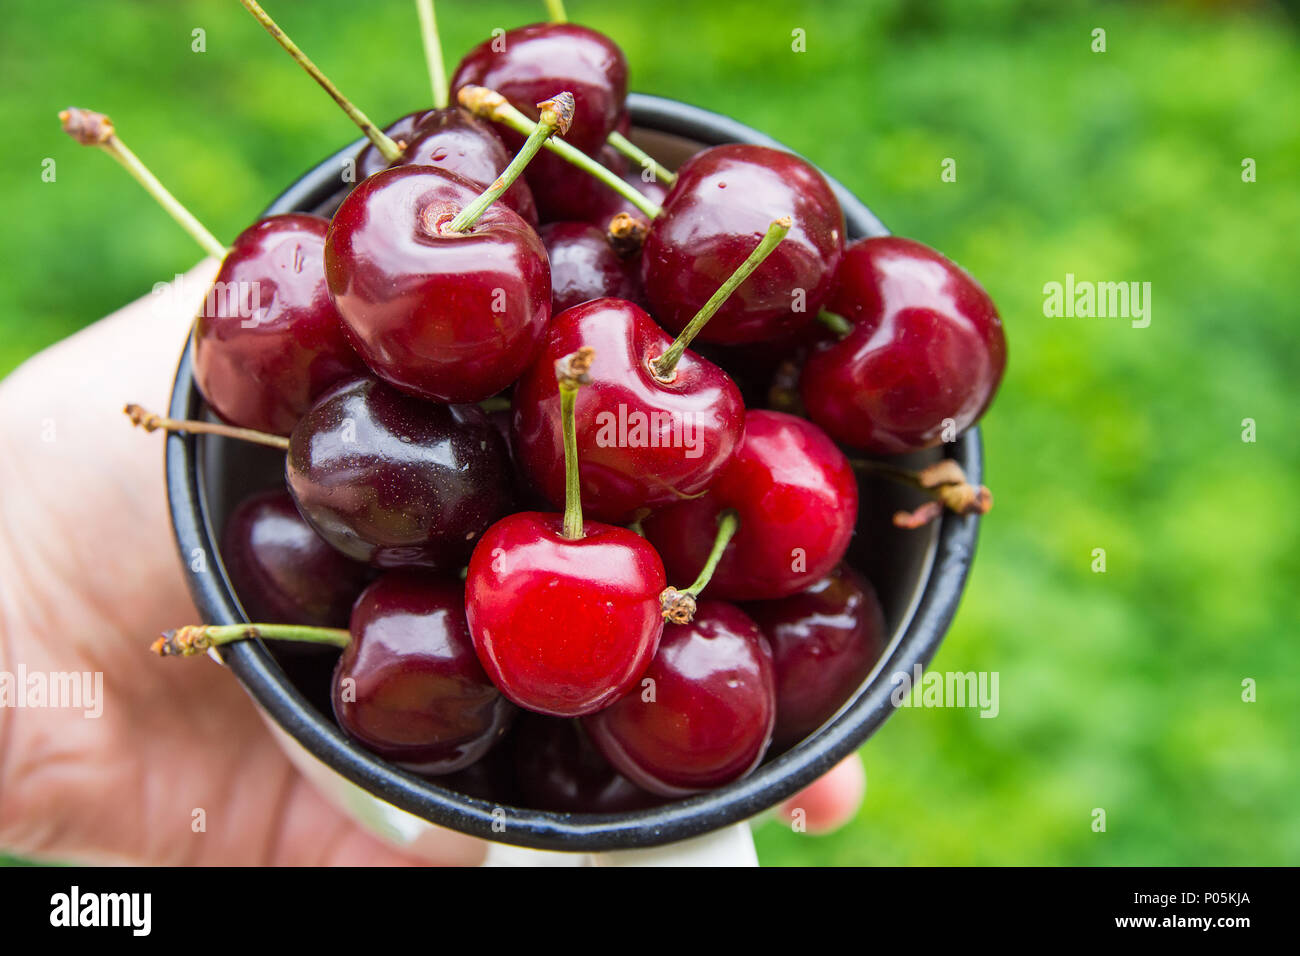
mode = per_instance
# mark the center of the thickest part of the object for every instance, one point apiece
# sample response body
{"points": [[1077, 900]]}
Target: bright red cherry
{"points": [[282, 570], [825, 641], [720, 205], [558, 769], [446, 315], [797, 499], [642, 442], [409, 686], [530, 63], [584, 266], [370, 160], [395, 481], [705, 715], [268, 340], [922, 360], [565, 614]]}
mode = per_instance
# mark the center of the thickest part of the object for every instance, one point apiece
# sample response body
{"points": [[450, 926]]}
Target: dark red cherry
{"points": [[448, 316], [563, 626], [715, 215], [923, 359], [408, 686], [268, 340], [565, 193], [370, 160], [705, 713], [454, 140], [797, 499], [584, 266], [282, 570], [558, 769], [395, 481], [642, 443], [825, 642], [529, 64]]}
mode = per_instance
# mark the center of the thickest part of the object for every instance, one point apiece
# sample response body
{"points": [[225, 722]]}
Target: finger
{"points": [[832, 800]]}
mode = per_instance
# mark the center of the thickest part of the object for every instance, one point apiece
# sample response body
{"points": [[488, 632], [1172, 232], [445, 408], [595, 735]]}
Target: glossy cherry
{"points": [[402, 130], [268, 340], [395, 481], [923, 358], [797, 499], [445, 315], [282, 570], [409, 686], [557, 768], [642, 442], [706, 719], [825, 641], [714, 215], [584, 266], [530, 63]]}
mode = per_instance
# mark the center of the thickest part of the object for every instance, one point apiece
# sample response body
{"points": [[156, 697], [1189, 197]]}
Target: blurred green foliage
{"points": [[1120, 690]]}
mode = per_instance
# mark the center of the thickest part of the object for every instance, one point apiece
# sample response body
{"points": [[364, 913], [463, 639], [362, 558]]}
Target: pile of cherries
{"points": [[565, 563]]}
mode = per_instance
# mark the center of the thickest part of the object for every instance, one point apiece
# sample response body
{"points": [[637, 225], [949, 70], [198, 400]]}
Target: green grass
{"points": [[1120, 690]]}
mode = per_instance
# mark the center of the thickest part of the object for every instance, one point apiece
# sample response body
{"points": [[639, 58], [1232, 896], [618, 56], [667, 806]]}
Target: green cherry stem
{"points": [[678, 606], [555, 10], [197, 638], [556, 115], [491, 105], [835, 322], [571, 374], [152, 422], [433, 53], [95, 129], [383, 142], [665, 365], [639, 156]]}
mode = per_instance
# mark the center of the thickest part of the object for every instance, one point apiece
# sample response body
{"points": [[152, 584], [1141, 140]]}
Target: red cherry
{"points": [[449, 316], [642, 442], [797, 499], [408, 686], [825, 641], [370, 160], [926, 350], [268, 340], [722, 201], [584, 266], [558, 769], [706, 719], [563, 626]]}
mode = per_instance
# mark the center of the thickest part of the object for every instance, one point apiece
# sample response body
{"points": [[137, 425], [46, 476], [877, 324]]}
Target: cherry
{"points": [[797, 498], [389, 479], [401, 131], [706, 713], [656, 423], [282, 570], [825, 641], [565, 615], [558, 769], [268, 340], [723, 198], [530, 63], [584, 266], [922, 355]]}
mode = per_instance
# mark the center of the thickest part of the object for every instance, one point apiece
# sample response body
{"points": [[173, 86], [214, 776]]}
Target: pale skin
{"points": [[88, 576]]}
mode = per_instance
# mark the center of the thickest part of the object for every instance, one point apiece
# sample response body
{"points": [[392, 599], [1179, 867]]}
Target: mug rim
{"points": [[772, 782]]}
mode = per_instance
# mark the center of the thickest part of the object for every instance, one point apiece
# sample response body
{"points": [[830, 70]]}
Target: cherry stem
{"points": [[665, 365], [678, 606], [556, 115], [639, 156], [433, 53], [383, 142], [197, 638], [944, 483], [150, 422], [571, 374], [491, 105], [555, 10], [95, 129], [835, 322]]}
